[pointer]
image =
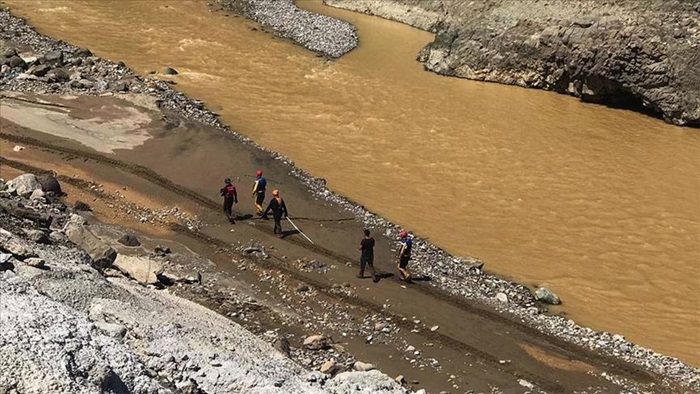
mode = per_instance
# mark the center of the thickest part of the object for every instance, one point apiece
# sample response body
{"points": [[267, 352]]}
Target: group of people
{"points": [[367, 256], [278, 208]]}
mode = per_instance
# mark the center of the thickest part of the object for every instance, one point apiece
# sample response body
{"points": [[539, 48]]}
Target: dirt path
{"points": [[473, 347]]}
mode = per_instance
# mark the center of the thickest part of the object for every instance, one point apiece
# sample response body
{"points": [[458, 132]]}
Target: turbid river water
{"points": [[601, 205]]}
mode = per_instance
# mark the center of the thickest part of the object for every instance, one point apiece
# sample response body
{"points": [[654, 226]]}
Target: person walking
{"points": [[367, 257], [259, 192], [230, 197], [405, 256], [278, 209]]}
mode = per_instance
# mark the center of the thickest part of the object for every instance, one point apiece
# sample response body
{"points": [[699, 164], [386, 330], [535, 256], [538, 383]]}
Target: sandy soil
{"points": [[473, 347]]}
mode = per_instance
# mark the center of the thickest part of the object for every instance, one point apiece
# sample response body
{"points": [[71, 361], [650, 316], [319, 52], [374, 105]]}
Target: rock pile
{"points": [[328, 36]]}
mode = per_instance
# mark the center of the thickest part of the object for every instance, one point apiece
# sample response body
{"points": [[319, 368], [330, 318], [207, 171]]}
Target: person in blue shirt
{"points": [[259, 192], [405, 256]]}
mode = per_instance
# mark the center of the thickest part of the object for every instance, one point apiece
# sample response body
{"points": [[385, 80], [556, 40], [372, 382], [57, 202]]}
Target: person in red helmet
{"points": [[278, 208], [259, 191], [228, 192], [405, 256]]}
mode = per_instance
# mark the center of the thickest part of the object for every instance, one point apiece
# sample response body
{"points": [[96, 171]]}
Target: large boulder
{"points": [[49, 183], [547, 296], [141, 269], [58, 75], [102, 254], [24, 185], [54, 58], [16, 62]]}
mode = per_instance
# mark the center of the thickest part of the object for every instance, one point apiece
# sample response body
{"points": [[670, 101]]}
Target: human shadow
{"points": [[289, 232], [244, 217], [421, 278], [384, 275]]}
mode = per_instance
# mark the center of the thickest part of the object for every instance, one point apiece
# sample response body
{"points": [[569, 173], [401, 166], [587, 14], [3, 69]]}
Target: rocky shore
{"points": [[639, 55], [39, 64], [99, 323]]}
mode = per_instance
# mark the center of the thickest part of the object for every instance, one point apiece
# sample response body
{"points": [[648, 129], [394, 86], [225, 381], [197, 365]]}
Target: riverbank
{"points": [[454, 276]]}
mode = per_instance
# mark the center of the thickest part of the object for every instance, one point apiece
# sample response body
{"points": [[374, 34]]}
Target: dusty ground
{"points": [[458, 345]]}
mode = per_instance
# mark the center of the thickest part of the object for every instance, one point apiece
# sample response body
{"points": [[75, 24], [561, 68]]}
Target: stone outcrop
{"points": [[641, 55]]}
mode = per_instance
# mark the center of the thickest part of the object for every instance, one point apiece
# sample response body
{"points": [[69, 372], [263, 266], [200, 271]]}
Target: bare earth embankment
{"points": [[89, 307]]}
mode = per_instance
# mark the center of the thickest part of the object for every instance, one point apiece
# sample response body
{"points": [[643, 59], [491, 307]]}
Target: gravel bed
{"points": [[328, 36]]}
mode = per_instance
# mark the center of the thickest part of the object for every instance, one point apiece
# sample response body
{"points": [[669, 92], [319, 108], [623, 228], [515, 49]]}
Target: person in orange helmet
{"points": [[405, 256], [259, 191], [278, 209]]}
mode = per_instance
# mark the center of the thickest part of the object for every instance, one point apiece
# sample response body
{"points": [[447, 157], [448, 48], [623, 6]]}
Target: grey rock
{"points": [[101, 253], [15, 248], [163, 250], [363, 367], [37, 195], [16, 62], [53, 58], [328, 367], [82, 52], [35, 262], [9, 52], [129, 240], [373, 382], [547, 296], [112, 330], [282, 345], [170, 71], [81, 84], [24, 185], [121, 86], [142, 269], [39, 70], [58, 75], [37, 236], [502, 297]]}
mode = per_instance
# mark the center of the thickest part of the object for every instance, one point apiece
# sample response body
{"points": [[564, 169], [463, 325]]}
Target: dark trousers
{"points": [[367, 261], [259, 201], [403, 267], [278, 225], [228, 206]]}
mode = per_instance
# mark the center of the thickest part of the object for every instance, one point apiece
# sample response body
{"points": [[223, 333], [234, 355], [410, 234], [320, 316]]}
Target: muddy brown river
{"points": [[600, 205]]}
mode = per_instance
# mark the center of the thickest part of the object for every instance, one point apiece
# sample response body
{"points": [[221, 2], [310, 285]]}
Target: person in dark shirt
{"points": [[405, 256], [278, 209], [230, 197], [367, 257]]}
